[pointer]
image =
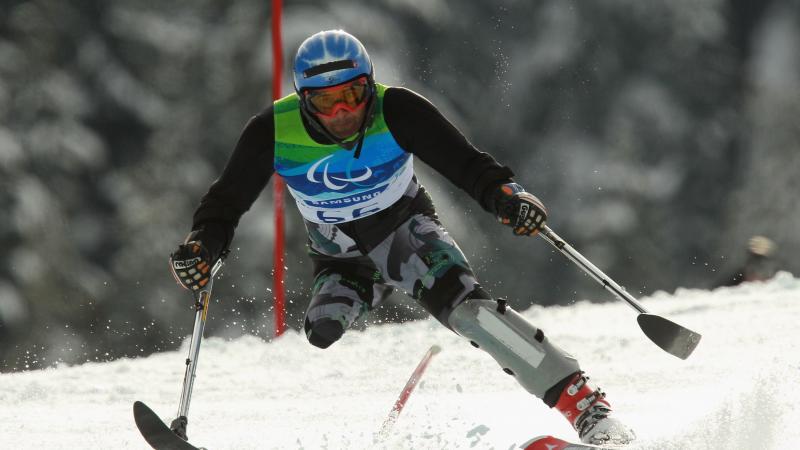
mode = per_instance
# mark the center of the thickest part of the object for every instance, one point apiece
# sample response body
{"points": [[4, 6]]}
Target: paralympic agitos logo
{"points": [[330, 181]]}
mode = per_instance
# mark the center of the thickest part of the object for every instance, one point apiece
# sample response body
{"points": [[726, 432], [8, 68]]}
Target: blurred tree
{"points": [[659, 134]]}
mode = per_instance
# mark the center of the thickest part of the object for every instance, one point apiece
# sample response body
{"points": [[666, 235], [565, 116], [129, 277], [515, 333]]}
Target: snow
{"points": [[739, 390]]}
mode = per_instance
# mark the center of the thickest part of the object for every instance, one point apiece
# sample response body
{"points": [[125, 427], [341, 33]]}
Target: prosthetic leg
{"points": [[543, 369], [521, 349]]}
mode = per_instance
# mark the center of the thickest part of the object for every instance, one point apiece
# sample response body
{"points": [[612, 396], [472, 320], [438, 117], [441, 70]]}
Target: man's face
{"points": [[340, 109]]}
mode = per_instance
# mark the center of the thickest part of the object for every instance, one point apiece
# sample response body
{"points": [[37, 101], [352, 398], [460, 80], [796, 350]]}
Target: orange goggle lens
{"points": [[351, 95]]}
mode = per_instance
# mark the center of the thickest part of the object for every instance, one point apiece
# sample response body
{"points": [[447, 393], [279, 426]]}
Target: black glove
{"points": [[190, 264], [519, 209]]}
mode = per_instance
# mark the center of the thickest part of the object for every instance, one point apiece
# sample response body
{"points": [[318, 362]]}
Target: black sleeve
{"points": [[247, 172], [419, 127]]}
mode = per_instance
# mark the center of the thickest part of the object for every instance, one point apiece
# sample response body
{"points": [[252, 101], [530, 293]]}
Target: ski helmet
{"points": [[329, 58]]}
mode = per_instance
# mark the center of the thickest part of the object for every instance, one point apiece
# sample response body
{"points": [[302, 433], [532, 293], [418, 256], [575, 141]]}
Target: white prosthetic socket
{"points": [[521, 349]]}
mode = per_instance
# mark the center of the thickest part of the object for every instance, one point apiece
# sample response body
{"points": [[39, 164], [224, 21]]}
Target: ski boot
{"points": [[588, 411]]}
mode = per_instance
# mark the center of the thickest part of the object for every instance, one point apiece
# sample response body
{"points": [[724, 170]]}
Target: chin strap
{"points": [[356, 143]]}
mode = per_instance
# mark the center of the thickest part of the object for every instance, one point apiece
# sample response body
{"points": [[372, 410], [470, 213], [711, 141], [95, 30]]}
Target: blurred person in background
{"points": [[760, 263], [344, 145]]}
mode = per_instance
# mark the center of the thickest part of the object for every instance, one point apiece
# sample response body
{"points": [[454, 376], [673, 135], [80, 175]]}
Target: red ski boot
{"points": [[588, 412]]}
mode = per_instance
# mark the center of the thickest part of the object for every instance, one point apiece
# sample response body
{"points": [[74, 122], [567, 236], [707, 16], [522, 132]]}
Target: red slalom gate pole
{"points": [[407, 390], [278, 260]]}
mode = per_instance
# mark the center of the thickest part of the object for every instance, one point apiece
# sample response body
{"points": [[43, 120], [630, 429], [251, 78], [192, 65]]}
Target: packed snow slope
{"points": [[739, 390]]}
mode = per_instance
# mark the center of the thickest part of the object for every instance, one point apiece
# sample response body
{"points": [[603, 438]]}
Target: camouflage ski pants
{"points": [[419, 257]]}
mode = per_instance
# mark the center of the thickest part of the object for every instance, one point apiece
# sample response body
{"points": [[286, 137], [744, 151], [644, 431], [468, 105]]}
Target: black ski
{"points": [[156, 432]]}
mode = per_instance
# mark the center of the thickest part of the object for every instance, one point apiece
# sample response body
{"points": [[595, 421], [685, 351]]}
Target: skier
{"points": [[345, 146]]}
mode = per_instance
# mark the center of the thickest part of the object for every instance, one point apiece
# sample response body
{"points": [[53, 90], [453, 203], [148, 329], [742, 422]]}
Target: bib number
{"points": [[357, 213]]}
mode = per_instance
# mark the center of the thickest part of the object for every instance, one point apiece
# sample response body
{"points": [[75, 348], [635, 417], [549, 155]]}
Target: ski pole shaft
{"points": [[671, 337], [567, 250], [202, 300], [407, 390]]}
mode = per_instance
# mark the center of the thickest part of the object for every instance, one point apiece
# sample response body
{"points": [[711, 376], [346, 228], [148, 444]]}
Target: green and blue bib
{"points": [[328, 184]]}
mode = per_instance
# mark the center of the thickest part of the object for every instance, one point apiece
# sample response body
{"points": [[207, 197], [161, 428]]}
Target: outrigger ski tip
{"points": [[156, 432]]}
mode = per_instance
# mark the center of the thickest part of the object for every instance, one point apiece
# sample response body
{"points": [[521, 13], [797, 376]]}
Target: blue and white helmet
{"points": [[329, 58]]}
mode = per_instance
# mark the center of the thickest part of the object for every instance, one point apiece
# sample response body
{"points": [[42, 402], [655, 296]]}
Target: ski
{"points": [[554, 443], [156, 432]]}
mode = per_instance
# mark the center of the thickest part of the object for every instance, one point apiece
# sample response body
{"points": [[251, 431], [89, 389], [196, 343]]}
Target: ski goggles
{"points": [[349, 96]]}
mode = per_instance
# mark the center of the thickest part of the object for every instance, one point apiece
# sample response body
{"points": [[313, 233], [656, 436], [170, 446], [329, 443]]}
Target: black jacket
{"points": [[415, 123]]}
